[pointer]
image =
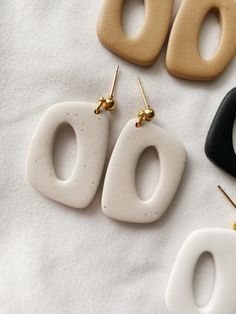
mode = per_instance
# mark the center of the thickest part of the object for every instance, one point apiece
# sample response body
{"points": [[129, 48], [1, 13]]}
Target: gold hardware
{"points": [[231, 201], [234, 226], [227, 196], [108, 103], [147, 113]]}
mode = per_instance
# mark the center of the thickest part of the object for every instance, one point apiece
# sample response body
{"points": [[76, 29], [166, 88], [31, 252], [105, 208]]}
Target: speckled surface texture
{"points": [[91, 131], [59, 260], [120, 199]]}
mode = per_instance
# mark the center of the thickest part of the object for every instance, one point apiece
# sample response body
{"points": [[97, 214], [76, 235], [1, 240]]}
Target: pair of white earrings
{"points": [[221, 245], [119, 199]]}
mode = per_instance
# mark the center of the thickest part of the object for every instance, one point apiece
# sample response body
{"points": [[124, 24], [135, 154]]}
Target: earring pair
{"points": [[91, 126], [183, 58]]}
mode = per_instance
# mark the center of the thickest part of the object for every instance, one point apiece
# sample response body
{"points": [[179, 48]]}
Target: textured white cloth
{"points": [[58, 260]]}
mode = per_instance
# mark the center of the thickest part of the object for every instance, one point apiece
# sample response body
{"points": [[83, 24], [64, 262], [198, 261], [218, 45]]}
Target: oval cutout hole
{"points": [[147, 173], [64, 152], [234, 136], [210, 35], [204, 279], [133, 17]]}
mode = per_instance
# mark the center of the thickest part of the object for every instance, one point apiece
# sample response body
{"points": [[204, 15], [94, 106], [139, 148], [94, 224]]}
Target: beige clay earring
{"points": [[120, 200], [183, 57], [91, 127], [145, 47]]}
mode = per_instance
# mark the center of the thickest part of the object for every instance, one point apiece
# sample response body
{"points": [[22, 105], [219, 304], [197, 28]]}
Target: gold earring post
{"points": [[114, 81], [142, 93], [108, 103], [230, 200], [227, 196], [146, 114]]}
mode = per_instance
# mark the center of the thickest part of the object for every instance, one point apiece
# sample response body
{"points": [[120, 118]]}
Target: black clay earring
{"points": [[219, 143]]}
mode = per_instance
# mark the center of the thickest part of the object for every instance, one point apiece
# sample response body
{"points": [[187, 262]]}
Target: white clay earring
{"points": [[91, 129], [120, 200], [221, 244]]}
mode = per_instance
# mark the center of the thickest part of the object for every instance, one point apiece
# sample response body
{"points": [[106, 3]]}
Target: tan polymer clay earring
{"points": [[183, 57], [144, 48]]}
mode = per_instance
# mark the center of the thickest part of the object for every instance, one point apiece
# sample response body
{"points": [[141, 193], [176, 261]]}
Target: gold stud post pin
{"points": [[114, 81], [108, 103], [147, 113], [230, 200]]}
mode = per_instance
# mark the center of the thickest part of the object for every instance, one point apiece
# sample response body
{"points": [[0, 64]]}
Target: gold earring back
{"points": [[108, 103], [146, 113]]}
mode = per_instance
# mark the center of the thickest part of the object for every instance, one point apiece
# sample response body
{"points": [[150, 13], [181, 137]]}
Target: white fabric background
{"points": [[58, 260]]}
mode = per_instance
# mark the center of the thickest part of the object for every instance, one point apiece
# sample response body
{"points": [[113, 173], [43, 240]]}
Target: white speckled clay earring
{"points": [[91, 130], [120, 199], [221, 245]]}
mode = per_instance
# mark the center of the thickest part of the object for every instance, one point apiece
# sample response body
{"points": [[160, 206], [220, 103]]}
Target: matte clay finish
{"points": [[120, 200], [183, 56], [221, 244], [144, 48], [219, 143], [92, 138]]}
